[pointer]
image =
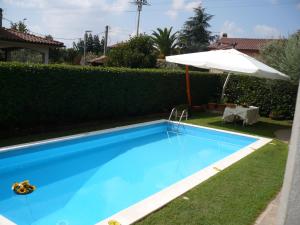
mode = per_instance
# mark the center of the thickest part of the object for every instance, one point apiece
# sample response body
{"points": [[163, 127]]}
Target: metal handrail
{"points": [[184, 112], [174, 110]]}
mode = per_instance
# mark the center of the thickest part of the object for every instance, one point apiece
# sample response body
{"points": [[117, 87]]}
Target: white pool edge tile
{"points": [[5, 221], [70, 137], [156, 201], [159, 199], [220, 130]]}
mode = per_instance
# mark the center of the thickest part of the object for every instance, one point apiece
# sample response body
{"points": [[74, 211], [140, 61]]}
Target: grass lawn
{"points": [[265, 127], [235, 196]]}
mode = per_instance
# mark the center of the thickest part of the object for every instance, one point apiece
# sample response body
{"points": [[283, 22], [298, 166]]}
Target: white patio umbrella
{"points": [[231, 61]]}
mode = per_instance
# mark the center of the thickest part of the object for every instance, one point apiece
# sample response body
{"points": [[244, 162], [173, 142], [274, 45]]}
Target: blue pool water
{"points": [[85, 180]]}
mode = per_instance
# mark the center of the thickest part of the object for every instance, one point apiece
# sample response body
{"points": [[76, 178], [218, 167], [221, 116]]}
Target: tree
{"points": [[138, 52], [79, 46], [64, 55], [284, 55], [164, 41], [49, 37], [98, 45], [93, 44], [89, 43], [19, 26], [195, 35]]}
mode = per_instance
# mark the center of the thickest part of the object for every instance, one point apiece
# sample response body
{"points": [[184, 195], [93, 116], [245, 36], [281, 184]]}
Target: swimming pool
{"points": [[85, 179]]}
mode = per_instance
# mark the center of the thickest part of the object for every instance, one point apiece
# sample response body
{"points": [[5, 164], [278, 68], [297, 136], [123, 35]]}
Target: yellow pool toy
{"points": [[23, 188], [113, 222]]}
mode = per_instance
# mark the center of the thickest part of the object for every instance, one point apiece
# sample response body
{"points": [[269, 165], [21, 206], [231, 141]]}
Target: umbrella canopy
{"points": [[231, 61]]}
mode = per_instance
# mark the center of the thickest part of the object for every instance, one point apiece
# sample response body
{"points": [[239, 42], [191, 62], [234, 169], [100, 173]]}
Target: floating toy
{"points": [[23, 188], [113, 222]]}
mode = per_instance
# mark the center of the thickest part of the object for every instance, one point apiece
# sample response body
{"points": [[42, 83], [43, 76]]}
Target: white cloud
{"points": [[28, 4], [115, 6], [69, 19], [101, 5], [36, 28], [172, 13], [178, 5], [265, 31], [192, 5], [231, 28], [119, 34], [298, 6]]}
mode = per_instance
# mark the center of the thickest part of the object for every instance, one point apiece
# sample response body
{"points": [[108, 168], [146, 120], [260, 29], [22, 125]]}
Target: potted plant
{"points": [[245, 105], [211, 106], [221, 107], [231, 105], [277, 114]]}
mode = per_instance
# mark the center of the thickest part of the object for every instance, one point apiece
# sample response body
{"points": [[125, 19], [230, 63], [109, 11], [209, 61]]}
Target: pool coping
{"points": [[156, 201], [75, 136]]}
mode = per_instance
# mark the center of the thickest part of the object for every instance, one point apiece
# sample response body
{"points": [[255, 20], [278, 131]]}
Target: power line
{"points": [[7, 20]]}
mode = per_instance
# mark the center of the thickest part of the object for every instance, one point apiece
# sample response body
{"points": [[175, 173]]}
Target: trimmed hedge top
{"points": [[35, 95], [39, 95]]}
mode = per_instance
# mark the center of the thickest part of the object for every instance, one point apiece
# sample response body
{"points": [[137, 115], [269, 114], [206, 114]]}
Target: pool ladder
{"points": [[174, 113]]}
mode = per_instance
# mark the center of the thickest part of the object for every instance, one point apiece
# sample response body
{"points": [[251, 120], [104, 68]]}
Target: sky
{"points": [[66, 20]]}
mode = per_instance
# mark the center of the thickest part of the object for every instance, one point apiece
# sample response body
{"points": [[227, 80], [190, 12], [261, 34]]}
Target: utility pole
{"points": [[1, 17], [84, 45], [106, 39], [140, 4]]}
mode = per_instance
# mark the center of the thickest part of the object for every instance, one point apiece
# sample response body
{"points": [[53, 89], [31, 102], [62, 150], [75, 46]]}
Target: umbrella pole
{"points": [[188, 85], [224, 87]]}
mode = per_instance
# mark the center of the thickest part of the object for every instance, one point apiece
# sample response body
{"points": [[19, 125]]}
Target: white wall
{"points": [[44, 49], [289, 210]]}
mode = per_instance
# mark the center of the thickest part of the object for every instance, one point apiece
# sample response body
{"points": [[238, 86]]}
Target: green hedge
{"points": [[38, 95], [275, 96], [41, 95]]}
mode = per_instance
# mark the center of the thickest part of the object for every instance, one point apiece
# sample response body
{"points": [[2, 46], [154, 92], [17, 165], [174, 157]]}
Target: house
{"points": [[249, 46], [99, 61], [11, 40]]}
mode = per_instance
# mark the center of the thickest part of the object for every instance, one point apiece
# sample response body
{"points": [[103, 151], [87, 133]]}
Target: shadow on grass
{"points": [[265, 127], [261, 128], [47, 132]]}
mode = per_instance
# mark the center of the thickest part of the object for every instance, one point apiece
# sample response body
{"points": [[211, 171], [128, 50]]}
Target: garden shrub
{"points": [[137, 52], [269, 95], [39, 95]]}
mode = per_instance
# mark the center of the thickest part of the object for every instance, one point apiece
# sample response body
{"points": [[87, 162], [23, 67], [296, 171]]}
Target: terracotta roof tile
{"points": [[13, 35], [239, 43]]}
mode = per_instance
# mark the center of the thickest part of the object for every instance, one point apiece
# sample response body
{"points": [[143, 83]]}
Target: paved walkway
{"points": [[268, 217], [283, 135]]}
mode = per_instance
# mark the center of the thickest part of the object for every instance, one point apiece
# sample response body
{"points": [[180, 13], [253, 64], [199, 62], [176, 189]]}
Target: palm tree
{"points": [[164, 41]]}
